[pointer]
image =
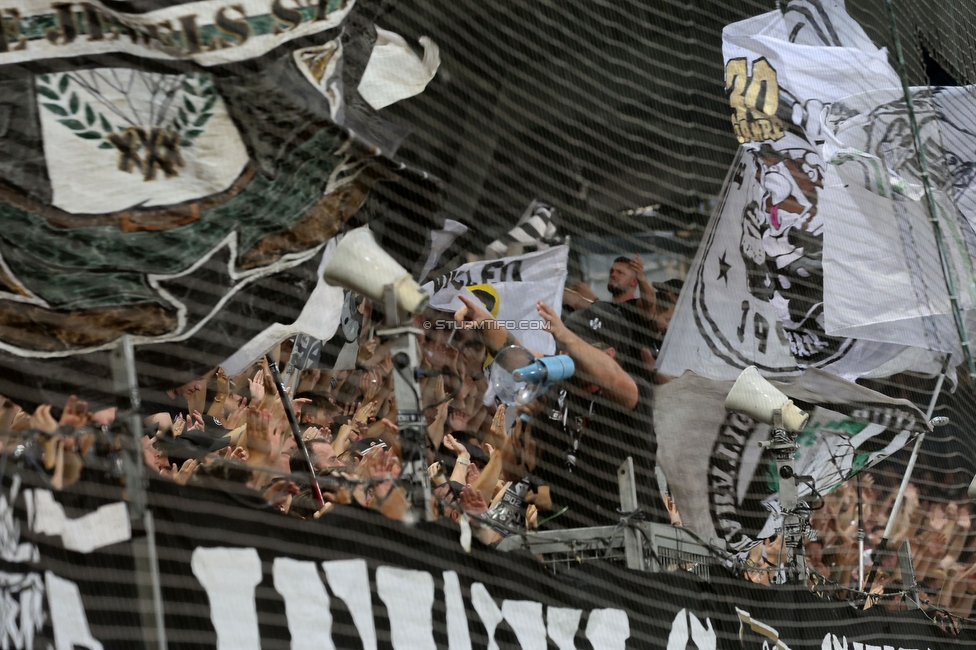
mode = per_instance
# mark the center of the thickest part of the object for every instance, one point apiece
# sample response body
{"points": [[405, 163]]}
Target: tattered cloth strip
{"points": [[536, 230]]}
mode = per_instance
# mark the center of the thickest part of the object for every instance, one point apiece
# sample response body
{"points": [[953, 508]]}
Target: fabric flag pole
{"points": [[721, 482], [950, 278], [906, 478], [295, 430]]}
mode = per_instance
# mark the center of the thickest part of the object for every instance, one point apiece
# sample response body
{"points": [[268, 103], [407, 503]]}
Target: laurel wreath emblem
{"points": [[94, 120]]}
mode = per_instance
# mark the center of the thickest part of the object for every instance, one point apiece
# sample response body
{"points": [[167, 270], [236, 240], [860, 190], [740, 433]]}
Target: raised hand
{"points": [[182, 476], [366, 411], [179, 426], [637, 266], [456, 446], [223, 385], [310, 379], [270, 390], [467, 385], [458, 420], [75, 413], [259, 433], [367, 349], [257, 387], [558, 330], [370, 384], [962, 519], [439, 393], [381, 428], [472, 314], [279, 494], [196, 421], [498, 423], [238, 416], [297, 404], [937, 517], [471, 474], [472, 501], [42, 420], [436, 473]]}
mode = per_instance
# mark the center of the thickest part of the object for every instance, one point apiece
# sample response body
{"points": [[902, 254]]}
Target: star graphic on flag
{"points": [[723, 268]]}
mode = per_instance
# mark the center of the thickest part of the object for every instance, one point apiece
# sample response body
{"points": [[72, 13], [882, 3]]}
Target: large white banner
{"points": [[766, 288], [883, 273], [509, 288]]}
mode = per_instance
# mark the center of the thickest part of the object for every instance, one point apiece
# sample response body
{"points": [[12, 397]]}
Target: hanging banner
{"points": [[723, 484], [235, 574], [152, 186]]}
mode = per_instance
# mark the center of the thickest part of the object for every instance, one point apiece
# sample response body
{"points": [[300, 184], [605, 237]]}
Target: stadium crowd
{"points": [[551, 463]]}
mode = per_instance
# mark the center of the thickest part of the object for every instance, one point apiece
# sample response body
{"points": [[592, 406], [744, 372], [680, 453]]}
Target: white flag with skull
{"points": [[755, 293]]}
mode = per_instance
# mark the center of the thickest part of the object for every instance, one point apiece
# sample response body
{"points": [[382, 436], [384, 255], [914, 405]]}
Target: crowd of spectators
{"points": [[554, 461], [936, 526], [550, 463]]}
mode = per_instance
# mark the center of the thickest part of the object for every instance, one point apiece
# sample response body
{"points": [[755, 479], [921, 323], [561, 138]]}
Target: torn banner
{"points": [[177, 185], [880, 232], [717, 473]]}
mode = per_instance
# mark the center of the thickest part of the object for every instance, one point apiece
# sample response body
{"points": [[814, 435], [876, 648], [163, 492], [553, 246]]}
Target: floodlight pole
{"points": [[795, 519], [410, 411]]}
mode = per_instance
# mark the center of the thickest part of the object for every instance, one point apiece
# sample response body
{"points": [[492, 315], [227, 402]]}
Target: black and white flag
{"points": [[724, 485], [535, 230], [781, 281]]}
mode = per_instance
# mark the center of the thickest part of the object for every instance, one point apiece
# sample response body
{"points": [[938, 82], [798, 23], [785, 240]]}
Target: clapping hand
{"points": [[257, 387], [365, 412], [182, 475]]}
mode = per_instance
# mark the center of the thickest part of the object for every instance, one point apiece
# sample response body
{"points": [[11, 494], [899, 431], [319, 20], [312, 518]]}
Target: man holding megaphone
{"points": [[587, 426]]}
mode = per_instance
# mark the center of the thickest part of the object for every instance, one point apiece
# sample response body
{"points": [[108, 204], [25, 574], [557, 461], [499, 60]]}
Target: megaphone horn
{"points": [[358, 263], [752, 395]]}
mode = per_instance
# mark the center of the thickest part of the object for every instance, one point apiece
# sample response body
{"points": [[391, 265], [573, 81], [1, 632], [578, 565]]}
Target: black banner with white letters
{"points": [[235, 574]]}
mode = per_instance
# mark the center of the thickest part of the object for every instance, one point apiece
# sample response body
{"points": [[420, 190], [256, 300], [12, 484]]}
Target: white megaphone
{"points": [[358, 263], [518, 377], [752, 395]]}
